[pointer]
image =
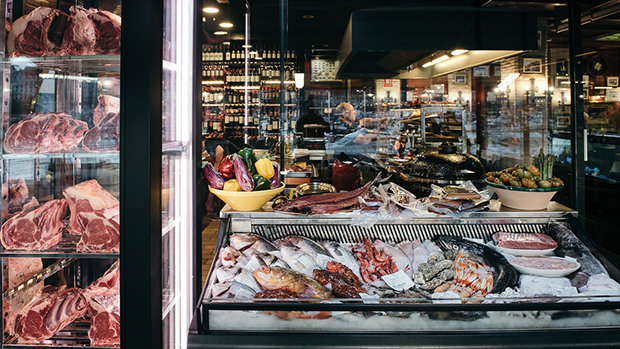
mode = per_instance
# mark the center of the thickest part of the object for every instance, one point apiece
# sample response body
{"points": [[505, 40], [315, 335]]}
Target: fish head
{"points": [[240, 241], [446, 242], [272, 277]]}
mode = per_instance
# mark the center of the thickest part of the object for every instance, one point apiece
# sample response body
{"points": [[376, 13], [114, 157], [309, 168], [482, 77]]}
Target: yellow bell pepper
{"points": [[264, 168], [232, 185]]}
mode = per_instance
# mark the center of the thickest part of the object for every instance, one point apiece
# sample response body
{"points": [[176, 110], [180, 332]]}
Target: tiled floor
{"points": [[209, 240]]}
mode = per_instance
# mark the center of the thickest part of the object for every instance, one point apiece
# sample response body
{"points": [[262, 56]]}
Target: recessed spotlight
{"points": [[226, 43], [458, 52], [258, 58], [307, 16], [226, 25], [220, 32], [210, 9], [246, 46]]}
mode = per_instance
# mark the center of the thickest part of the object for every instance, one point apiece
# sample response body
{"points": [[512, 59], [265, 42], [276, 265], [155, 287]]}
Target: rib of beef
{"points": [[108, 32], [99, 234], [80, 34], [105, 136], [88, 196], [39, 33], [49, 312], [102, 298], [45, 133], [105, 105], [37, 228]]}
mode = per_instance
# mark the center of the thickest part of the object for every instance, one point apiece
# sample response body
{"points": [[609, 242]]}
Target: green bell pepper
{"points": [[261, 183], [248, 156]]}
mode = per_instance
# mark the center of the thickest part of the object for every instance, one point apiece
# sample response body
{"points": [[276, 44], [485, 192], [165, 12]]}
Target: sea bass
{"points": [[232, 289], [504, 275], [343, 255], [249, 244], [307, 246], [298, 261], [271, 278]]}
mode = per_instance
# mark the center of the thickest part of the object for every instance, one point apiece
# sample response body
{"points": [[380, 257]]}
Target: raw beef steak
{"points": [[49, 312], [105, 136], [105, 105], [87, 196], [105, 318], [39, 33], [103, 299], [99, 234], [45, 133], [36, 229], [108, 32], [80, 34], [20, 270]]}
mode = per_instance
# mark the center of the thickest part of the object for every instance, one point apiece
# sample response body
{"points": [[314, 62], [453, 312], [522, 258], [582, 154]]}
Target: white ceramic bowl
{"points": [[521, 198]]}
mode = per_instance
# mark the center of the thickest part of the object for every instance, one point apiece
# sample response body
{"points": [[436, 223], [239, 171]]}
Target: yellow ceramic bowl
{"points": [[246, 200]]}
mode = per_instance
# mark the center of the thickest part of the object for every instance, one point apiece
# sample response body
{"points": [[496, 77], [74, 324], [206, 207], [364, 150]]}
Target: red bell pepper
{"points": [[226, 168]]}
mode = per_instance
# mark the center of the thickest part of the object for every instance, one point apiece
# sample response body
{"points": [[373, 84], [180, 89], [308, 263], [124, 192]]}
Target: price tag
{"points": [[398, 281], [369, 298]]}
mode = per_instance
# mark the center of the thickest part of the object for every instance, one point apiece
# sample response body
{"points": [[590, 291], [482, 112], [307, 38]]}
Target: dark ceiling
{"points": [[320, 24]]}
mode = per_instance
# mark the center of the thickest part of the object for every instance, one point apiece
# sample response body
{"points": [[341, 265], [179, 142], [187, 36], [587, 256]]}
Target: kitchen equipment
{"points": [[312, 188], [442, 167]]}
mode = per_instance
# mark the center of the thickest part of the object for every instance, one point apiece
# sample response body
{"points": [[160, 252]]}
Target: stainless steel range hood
{"points": [[378, 42]]}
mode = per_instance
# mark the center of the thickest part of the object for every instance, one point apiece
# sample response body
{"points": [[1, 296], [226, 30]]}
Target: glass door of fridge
{"points": [[176, 193]]}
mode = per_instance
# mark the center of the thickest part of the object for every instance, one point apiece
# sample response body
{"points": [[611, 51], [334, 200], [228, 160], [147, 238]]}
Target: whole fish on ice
{"points": [[249, 244], [271, 278], [298, 260]]}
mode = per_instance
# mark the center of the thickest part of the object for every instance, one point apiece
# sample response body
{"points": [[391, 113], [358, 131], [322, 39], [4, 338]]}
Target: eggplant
{"points": [[242, 174], [275, 180], [214, 179]]}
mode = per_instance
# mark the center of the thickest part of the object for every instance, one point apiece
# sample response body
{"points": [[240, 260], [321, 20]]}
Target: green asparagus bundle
{"points": [[545, 163]]}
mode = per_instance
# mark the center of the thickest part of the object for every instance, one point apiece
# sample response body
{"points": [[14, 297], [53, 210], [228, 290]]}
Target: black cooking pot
{"points": [[442, 167]]}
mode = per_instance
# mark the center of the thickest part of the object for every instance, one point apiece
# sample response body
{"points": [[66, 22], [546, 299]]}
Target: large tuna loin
{"points": [[49, 312], [80, 34], [37, 228], [99, 234], [45, 133], [104, 137], [105, 105], [108, 32], [39, 33], [88, 196]]}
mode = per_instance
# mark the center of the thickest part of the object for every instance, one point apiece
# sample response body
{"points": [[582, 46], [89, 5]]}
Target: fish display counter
{"points": [[506, 277]]}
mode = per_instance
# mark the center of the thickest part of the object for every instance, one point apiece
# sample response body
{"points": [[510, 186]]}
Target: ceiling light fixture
{"points": [[307, 16], [435, 61], [246, 46], [458, 52], [210, 9], [226, 25], [220, 32]]}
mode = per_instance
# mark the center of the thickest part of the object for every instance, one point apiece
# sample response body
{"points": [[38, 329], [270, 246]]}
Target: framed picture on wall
{"points": [[532, 65], [497, 71], [460, 78], [481, 71], [612, 81]]}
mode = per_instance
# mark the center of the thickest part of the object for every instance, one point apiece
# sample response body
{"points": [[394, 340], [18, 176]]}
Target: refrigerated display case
{"points": [[60, 186], [550, 318], [84, 187]]}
